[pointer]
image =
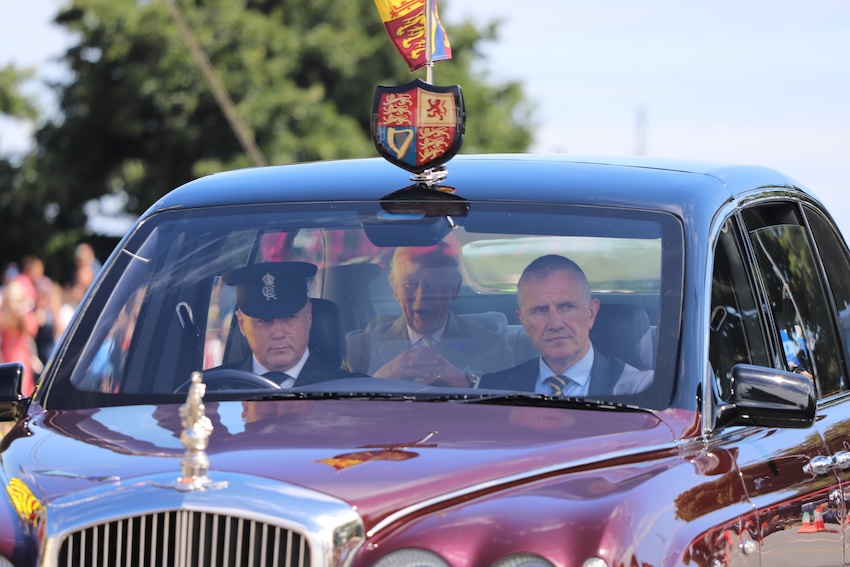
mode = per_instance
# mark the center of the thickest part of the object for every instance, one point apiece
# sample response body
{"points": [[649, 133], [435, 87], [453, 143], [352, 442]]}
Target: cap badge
{"points": [[268, 287]]}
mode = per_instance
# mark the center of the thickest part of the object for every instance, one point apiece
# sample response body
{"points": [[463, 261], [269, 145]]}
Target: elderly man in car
{"points": [[557, 311], [428, 343]]}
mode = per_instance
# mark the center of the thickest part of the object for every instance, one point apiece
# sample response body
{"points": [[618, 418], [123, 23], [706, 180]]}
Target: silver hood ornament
{"points": [[195, 437]]}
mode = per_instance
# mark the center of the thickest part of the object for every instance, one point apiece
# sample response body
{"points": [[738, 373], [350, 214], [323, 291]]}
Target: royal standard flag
{"points": [[404, 21]]}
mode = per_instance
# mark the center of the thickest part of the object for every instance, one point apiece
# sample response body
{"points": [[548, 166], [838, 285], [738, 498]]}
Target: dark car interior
{"points": [[169, 313]]}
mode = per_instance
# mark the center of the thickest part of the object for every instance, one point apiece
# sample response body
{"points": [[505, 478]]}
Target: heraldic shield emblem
{"points": [[418, 126]]}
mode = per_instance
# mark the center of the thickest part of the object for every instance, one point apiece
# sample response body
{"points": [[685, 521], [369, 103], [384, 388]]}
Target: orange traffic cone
{"points": [[819, 524], [808, 527]]}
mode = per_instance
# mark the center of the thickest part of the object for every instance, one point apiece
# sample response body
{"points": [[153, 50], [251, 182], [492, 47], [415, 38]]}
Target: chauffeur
{"points": [[275, 316]]}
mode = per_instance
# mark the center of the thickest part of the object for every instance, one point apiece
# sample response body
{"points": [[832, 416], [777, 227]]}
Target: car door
{"points": [[835, 428], [804, 327], [790, 501]]}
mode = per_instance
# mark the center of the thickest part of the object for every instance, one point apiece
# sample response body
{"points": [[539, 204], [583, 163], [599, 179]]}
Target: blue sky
{"points": [[29, 39], [763, 82]]}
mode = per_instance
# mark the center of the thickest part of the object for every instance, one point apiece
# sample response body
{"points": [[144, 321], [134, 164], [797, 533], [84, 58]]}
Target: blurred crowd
{"points": [[34, 310]]}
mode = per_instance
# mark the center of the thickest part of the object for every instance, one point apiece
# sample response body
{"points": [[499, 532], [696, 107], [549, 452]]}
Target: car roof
{"points": [[631, 182]]}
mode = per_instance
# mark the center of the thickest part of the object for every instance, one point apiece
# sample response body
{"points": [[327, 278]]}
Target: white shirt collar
{"points": [[437, 335], [295, 371]]}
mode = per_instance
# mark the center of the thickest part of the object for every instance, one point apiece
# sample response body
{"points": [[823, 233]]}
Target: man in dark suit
{"points": [[428, 343], [275, 316], [557, 311]]}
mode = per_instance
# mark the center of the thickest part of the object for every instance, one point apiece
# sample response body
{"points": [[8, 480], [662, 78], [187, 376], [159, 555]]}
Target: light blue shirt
{"points": [[578, 372]]}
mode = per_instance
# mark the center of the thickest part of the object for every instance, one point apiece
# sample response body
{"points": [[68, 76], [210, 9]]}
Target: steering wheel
{"points": [[231, 379]]}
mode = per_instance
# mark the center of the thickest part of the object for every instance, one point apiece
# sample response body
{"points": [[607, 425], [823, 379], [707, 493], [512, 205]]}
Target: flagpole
{"points": [[429, 23]]}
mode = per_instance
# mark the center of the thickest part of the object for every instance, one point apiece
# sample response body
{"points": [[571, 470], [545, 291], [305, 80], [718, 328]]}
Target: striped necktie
{"points": [[427, 342], [560, 385]]}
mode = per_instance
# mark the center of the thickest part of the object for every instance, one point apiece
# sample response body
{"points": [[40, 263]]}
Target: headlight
{"points": [[412, 558], [522, 560]]}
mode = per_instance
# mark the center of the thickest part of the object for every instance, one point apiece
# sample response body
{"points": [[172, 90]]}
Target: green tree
{"points": [[139, 119], [12, 102], [26, 219]]}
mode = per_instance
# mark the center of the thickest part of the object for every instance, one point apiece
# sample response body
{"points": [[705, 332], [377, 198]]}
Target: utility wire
{"points": [[242, 131]]}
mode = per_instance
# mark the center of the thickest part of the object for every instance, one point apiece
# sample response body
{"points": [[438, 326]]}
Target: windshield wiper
{"points": [[307, 395], [512, 398], [545, 400]]}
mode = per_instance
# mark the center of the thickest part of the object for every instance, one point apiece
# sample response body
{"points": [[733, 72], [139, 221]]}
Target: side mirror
{"points": [[11, 399], [768, 397]]}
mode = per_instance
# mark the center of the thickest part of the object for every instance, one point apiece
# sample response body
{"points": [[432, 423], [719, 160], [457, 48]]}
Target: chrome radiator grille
{"points": [[184, 538]]}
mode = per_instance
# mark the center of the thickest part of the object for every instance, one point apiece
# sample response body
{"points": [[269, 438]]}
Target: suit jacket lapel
{"points": [[454, 344], [454, 328], [522, 378], [527, 375], [313, 370], [393, 341], [603, 375]]}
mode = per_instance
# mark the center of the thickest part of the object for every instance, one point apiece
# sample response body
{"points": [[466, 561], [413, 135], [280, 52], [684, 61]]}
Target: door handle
{"points": [[819, 465], [842, 459]]}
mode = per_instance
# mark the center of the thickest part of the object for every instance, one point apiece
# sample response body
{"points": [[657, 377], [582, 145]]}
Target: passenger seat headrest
{"points": [[623, 330], [327, 336]]}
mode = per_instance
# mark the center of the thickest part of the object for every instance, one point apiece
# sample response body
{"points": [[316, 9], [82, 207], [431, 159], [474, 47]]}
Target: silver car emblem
{"points": [[195, 437]]}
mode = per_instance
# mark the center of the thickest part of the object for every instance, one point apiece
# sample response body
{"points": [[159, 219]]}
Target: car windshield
{"points": [[165, 307]]}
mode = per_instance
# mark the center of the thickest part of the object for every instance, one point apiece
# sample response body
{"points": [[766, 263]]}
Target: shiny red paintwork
{"points": [[378, 456]]}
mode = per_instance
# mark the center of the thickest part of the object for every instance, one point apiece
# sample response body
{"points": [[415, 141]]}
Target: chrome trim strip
{"points": [[722, 214], [519, 477]]}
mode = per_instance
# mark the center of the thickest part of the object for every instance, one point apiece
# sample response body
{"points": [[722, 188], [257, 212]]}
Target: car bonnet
{"points": [[379, 456]]}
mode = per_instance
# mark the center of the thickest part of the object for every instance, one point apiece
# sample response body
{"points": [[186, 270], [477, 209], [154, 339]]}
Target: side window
{"points": [[800, 309], [219, 322], [834, 258], [109, 363], [736, 333]]}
